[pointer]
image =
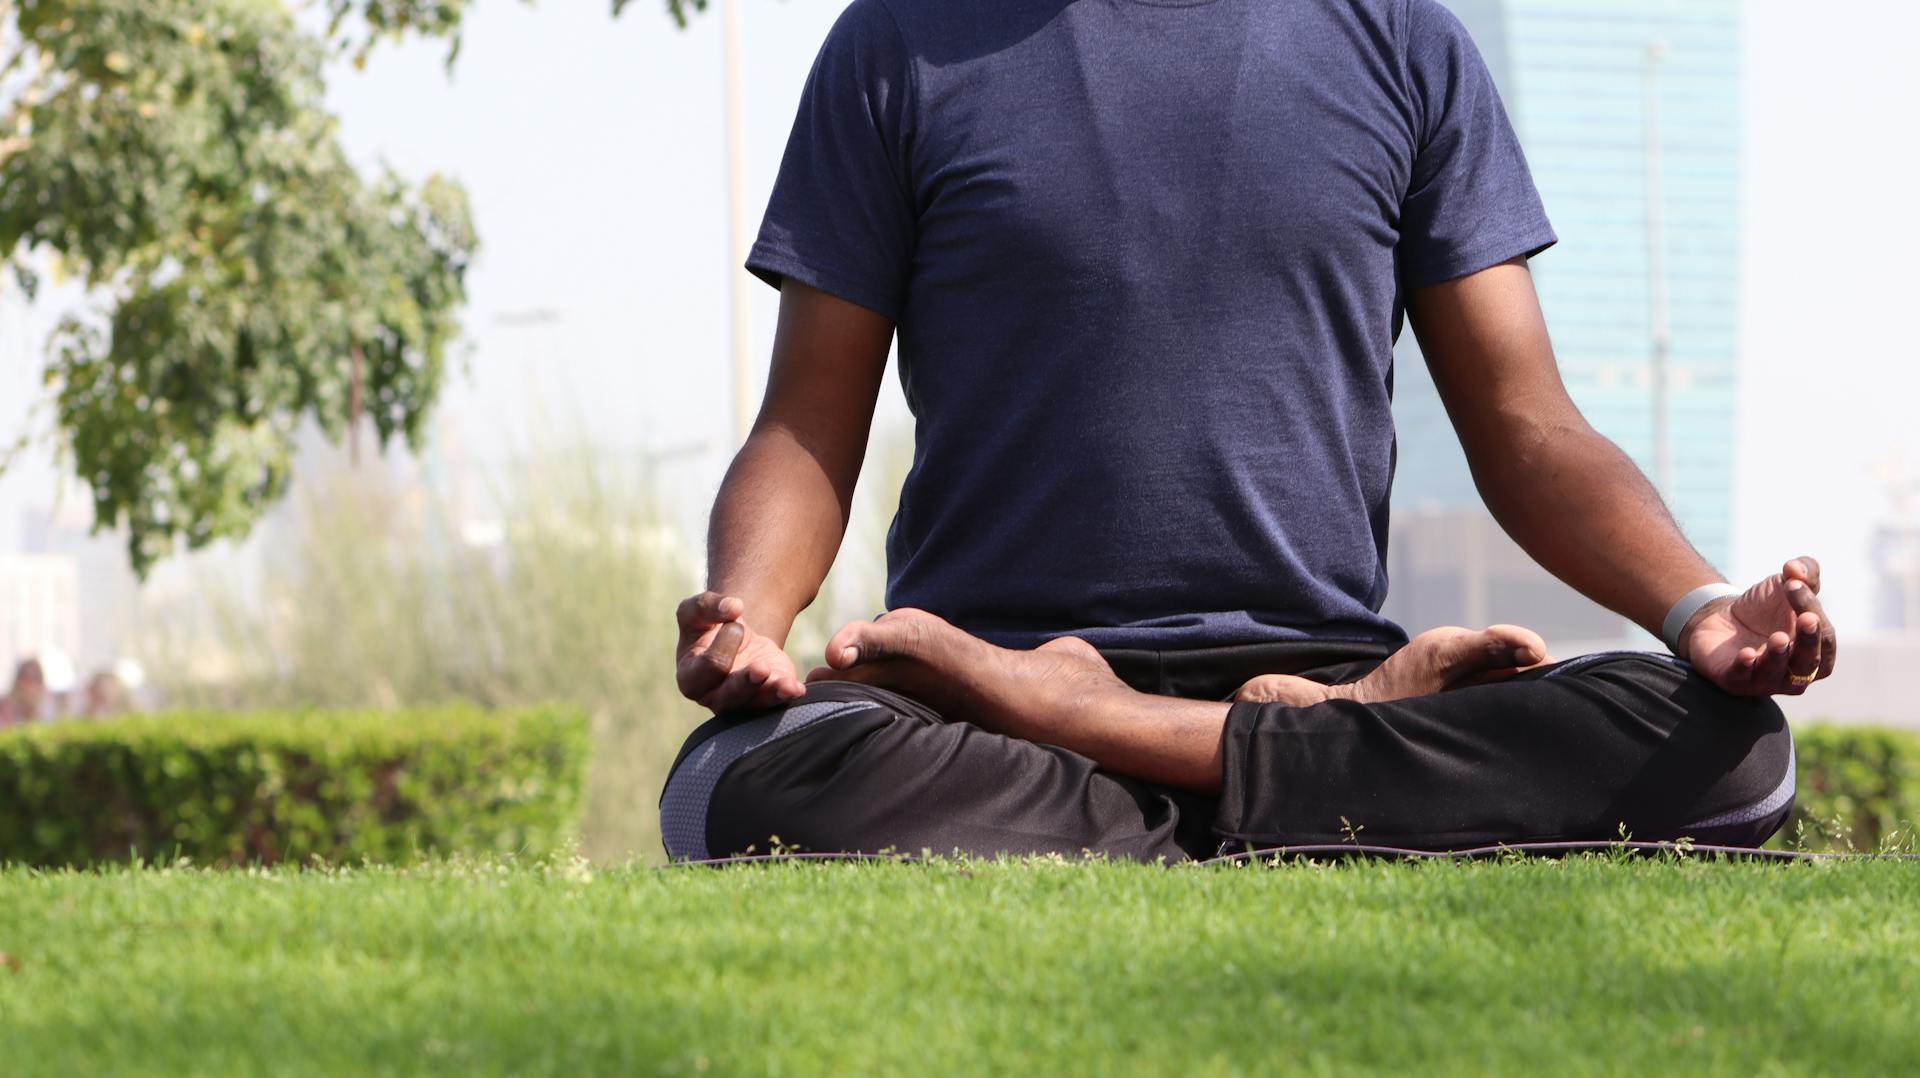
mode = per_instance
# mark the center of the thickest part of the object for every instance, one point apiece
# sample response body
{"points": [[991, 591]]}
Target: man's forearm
{"points": [[1566, 494], [776, 525], [1581, 508]]}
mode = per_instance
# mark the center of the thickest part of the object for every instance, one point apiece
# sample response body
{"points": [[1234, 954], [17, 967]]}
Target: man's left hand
{"points": [[1772, 640]]}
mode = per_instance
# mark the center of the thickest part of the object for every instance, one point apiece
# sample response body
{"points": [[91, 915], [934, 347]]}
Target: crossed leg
{"points": [[1579, 750]]}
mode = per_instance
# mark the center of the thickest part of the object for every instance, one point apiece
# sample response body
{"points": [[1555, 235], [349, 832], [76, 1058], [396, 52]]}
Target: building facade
{"points": [[1575, 77], [39, 615]]}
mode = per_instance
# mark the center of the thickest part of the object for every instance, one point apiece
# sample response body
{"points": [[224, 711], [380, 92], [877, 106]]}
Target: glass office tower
{"points": [[1576, 77]]}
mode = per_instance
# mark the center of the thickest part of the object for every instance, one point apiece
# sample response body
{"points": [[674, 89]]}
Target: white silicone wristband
{"points": [[1689, 605]]}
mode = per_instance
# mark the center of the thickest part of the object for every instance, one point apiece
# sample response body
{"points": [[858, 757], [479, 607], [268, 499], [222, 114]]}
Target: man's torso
{"points": [[1146, 264], [1149, 332]]}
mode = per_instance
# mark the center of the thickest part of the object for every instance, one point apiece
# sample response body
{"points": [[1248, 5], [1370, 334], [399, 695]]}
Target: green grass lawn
{"points": [[1584, 965]]}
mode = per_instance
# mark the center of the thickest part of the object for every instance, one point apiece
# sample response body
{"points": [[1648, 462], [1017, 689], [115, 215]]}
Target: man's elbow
{"points": [[1507, 444], [1519, 456]]}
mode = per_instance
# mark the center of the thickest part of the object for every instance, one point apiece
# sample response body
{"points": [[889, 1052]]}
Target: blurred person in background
{"points": [[106, 696], [27, 700]]}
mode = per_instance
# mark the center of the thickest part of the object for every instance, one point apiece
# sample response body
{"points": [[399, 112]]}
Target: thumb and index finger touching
{"points": [[706, 610], [1801, 650], [1804, 569], [711, 636], [1816, 643]]}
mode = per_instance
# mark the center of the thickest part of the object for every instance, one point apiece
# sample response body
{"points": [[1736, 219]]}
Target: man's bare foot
{"points": [[964, 677], [1434, 661], [1061, 693]]}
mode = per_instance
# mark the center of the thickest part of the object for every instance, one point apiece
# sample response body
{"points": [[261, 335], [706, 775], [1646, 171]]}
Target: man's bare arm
{"points": [[1561, 489], [782, 510], [1580, 507]]}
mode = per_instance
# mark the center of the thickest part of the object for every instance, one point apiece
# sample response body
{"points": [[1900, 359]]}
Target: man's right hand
{"points": [[723, 665]]}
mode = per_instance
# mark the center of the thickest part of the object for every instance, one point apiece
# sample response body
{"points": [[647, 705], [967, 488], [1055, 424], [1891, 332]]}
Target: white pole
{"points": [[1658, 319], [738, 237]]}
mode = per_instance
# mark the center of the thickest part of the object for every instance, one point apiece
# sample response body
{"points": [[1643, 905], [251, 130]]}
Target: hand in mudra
{"points": [[1774, 639], [723, 665]]}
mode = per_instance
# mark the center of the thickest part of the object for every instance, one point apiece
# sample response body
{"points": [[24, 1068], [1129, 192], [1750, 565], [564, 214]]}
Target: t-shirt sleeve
{"points": [[1471, 202], [841, 215]]}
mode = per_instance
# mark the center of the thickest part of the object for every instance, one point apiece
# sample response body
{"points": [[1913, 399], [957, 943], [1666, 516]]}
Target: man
{"points": [[1147, 260]]}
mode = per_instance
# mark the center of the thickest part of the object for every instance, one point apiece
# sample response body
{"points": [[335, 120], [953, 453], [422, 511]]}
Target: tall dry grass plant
{"points": [[378, 595], [560, 587]]}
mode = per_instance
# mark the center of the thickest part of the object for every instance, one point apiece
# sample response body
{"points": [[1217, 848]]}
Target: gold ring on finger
{"points": [[1803, 679]]}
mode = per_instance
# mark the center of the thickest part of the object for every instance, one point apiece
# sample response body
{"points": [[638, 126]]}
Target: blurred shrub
{"points": [[264, 788], [555, 584], [553, 579], [1859, 788]]}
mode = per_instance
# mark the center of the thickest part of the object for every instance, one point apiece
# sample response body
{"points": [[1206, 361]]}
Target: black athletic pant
{"points": [[1578, 750]]}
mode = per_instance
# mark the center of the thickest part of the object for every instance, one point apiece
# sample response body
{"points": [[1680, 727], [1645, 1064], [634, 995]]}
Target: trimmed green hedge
{"points": [[1859, 788], [389, 787], [265, 788]]}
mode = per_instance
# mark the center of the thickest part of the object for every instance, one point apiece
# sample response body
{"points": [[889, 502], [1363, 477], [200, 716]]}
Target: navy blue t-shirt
{"points": [[1147, 263]]}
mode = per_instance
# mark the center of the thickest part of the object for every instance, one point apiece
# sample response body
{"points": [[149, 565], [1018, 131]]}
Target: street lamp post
{"points": [[536, 322], [1658, 320], [733, 45]]}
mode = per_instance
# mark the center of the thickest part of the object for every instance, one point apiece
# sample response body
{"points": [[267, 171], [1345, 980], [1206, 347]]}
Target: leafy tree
{"points": [[434, 18], [175, 157]]}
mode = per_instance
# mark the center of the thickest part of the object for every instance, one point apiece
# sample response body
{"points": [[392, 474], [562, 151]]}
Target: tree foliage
{"points": [[392, 19], [242, 276], [174, 156]]}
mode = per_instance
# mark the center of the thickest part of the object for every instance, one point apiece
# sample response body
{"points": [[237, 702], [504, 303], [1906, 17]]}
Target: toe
{"points": [[1282, 689], [1455, 653], [1516, 645], [1073, 645], [898, 634]]}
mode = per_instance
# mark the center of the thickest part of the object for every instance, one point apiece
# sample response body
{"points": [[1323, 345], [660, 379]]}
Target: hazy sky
{"points": [[592, 148], [1830, 382]]}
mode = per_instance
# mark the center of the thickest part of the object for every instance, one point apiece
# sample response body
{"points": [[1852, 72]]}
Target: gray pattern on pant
{"points": [[1761, 809], [683, 807], [1584, 661]]}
